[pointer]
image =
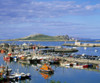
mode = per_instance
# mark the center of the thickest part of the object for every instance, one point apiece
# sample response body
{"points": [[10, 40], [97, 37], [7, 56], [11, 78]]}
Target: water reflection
{"points": [[45, 75], [60, 73]]}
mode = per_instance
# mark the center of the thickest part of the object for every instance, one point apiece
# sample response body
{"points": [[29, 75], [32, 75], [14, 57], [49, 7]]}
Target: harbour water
{"points": [[62, 74], [82, 50]]}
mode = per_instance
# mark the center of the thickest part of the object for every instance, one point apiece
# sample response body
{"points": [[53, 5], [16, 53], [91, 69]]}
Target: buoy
{"points": [[85, 48], [96, 50]]}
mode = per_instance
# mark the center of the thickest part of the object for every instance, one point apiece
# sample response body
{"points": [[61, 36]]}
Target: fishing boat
{"points": [[2, 51], [54, 61], [9, 53], [35, 60], [2, 70], [78, 67], [46, 69], [7, 58], [64, 64], [14, 58], [81, 66], [19, 76]]}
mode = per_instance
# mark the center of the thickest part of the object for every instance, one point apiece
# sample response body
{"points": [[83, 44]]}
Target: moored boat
{"points": [[19, 76], [81, 66], [2, 51], [46, 69], [54, 61]]}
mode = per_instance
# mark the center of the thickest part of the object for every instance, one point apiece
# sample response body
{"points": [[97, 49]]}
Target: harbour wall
{"points": [[82, 45], [71, 59]]}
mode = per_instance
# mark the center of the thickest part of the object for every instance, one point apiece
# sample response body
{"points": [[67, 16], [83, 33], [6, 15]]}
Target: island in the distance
{"points": [[42, 37]]}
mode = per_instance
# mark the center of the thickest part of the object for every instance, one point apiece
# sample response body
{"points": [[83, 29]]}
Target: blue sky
{"points": [[77, 18]]}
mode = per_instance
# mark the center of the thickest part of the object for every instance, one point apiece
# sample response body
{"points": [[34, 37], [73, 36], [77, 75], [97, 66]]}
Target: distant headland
{"points": [[42, 37]]}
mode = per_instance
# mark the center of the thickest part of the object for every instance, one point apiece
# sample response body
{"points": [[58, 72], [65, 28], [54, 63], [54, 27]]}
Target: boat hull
{"points": [[34, 61], [47, 71]]}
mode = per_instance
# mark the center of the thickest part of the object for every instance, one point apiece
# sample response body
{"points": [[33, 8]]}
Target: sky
{"points": [[76, 18]]}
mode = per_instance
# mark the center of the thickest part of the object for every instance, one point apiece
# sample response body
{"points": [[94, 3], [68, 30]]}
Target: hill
{"points": [[41, 37]]}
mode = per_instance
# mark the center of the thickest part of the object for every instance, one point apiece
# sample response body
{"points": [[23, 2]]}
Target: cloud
{"points": [[62, 24], [93, 7], [26, 10], [31, 16]]}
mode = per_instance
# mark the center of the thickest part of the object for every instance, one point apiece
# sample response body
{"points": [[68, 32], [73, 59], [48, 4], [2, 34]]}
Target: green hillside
{"points": [[41, 37]]}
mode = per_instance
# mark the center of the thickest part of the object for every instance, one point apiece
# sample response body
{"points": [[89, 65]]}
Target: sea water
{"points": [[64, 75]]}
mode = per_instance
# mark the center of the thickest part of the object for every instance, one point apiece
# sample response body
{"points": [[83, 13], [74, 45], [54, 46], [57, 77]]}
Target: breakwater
{"points": [[70, 59], [79, 44], [87, 61]]}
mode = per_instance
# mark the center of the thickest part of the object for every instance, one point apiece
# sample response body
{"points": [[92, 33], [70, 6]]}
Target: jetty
{"points": [[71, 59], [87, 61], [80, 44], [61, 50]]}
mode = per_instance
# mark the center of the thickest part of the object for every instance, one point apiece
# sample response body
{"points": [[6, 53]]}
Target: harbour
{"points": [[61, 62], [49, 41]]}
